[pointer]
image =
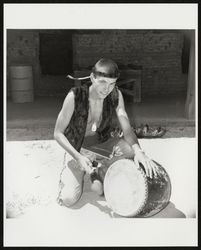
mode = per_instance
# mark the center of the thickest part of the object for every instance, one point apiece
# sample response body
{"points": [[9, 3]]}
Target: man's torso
{"points": [[94, 116]]}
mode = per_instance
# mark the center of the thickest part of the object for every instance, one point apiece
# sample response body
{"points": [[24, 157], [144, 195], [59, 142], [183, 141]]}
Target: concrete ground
{"points": [[33, 161], [32, 170], [36, 120]]}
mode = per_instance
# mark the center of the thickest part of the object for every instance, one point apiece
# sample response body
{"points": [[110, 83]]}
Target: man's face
{"points": [[103, 85]]}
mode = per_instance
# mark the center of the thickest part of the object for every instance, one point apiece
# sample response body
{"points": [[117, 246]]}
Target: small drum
{"points": [[129, 192]]}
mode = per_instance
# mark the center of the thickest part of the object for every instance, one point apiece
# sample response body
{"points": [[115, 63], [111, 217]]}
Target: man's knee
{"points": [[125, 148], [69, 197]]}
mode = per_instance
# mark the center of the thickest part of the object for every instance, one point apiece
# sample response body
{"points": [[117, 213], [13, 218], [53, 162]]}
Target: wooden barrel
{"points": [[21, 83]]}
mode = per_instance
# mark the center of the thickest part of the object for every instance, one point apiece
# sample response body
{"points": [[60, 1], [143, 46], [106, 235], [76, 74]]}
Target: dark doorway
{"points": [[56, 53], [185, 54]]}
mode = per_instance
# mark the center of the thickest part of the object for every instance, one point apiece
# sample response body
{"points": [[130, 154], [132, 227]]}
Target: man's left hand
{"points": [[150, 166]]}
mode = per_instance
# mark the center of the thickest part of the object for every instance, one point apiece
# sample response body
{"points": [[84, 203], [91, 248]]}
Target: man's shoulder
{"points": [[80, 93], [78, 89], [114, 97], [115, 92]]}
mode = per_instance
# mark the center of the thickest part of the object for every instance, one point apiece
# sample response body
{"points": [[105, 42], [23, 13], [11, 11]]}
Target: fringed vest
{"points": [[76, 129]]}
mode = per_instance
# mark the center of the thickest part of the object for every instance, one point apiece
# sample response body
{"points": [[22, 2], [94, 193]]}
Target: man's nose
{"points": [[106, 88]]}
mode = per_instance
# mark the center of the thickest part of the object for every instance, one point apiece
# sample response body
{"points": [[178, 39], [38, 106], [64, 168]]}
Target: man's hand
{"points": [[85, 163], [150, 167]]}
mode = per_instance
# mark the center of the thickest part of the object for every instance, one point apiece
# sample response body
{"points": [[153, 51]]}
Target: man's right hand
{"points": [[85, 163]]}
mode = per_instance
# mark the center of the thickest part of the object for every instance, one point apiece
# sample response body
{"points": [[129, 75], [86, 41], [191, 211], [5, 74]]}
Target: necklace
{"points": [[94, 123], [94, 127]]}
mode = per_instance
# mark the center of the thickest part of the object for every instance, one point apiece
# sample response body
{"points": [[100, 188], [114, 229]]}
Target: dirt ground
{"points": [[30, 141], [36, 120], [31, 177], [46, 133], [33, 162], [39, 163]]}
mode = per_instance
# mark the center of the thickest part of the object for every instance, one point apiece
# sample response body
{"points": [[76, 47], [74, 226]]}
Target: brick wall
{"points": [[23, 47], [159, 53]]}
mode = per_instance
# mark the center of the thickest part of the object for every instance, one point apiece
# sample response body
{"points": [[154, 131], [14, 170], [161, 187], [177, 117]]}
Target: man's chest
{"points": [[95, 110]]}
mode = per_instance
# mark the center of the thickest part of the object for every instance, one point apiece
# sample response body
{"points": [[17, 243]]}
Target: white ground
{"points": [[31, 174]]}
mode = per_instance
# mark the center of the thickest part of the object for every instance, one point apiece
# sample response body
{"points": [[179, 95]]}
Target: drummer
{"points": [[85, 118]]}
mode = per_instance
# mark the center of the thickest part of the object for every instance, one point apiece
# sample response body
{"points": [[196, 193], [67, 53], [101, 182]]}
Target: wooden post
{"points": [[190, 98]]}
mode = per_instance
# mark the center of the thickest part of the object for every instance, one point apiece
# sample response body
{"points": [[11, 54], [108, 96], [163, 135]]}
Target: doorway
{"points": [[56, 53]]}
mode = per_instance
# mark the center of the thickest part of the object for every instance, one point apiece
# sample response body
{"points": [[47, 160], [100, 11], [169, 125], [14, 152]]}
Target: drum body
{"points": [[130, 193], [127, 189]]}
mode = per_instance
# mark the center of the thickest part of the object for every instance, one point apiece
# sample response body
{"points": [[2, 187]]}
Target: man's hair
{"points": [[111, 67]]}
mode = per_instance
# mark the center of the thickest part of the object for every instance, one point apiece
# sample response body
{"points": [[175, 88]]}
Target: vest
{"points": [[76, 128]]}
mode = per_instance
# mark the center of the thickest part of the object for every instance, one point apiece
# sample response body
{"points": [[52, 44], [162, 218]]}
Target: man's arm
{"points": [[131, 138], [128, 132], [62, 122]]}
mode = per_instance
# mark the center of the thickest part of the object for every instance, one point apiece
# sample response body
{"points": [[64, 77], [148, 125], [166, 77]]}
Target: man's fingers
{"points": [[149, 170], [89, 165], [154, 171], [154, 168], [146, 167], [136, 162], [150, 167], [89, 162], [117, 151]]}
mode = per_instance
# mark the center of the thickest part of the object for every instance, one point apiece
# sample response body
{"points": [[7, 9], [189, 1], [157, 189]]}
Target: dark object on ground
{"points": [[143, 131], [147, 132]]}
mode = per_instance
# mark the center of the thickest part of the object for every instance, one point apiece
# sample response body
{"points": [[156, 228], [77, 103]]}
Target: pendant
{"points": [[93, 128]]}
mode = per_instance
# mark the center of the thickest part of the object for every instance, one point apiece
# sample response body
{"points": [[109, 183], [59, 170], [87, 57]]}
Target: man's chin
{"points": [[102, 96]]}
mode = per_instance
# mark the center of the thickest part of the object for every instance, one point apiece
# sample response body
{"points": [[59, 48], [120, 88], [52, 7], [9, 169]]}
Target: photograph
{"points": [[100, 141]]}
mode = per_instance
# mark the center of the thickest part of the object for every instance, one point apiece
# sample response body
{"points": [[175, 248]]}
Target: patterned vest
{"points": [[76, 129]]}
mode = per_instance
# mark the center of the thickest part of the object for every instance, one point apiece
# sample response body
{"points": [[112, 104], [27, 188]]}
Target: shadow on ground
{"points": [[170, 211], [89, 198]]}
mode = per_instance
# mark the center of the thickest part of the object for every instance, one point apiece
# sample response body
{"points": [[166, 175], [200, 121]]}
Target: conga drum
{"points": [[130, 193]]}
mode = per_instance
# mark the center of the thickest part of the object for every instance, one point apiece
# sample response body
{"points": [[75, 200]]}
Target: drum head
{"points": [[125, 188]]}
